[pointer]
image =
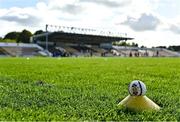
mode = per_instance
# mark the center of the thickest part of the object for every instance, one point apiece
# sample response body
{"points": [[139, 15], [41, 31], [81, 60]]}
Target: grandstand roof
{"points": [[67, 37]]}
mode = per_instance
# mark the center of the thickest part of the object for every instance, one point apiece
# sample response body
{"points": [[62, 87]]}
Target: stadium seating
{"points": [[143, 52], [14, 49]]}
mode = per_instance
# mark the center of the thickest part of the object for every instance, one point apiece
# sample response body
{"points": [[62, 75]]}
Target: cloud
{"points": [[66, 7], [73, 9], [21, 16], [69, 8], [144, 23], [109, 3], [22, 19], [174, 28]]}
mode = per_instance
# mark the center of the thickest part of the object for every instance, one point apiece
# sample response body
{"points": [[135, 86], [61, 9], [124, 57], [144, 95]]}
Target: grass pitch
{"points": [[86, 88]]}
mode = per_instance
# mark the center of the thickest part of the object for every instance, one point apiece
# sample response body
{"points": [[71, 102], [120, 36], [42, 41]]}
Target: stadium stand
{"points": [[143, 52], [169, 53], [3, 52], [78, 41], [20, 49]]}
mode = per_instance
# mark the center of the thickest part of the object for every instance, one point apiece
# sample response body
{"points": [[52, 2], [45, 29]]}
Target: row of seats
{"points": [[144, 53], [79, 51], [19, 51]]}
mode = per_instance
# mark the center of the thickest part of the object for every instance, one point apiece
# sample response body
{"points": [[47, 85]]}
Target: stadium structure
{"points": [[72, 41]]}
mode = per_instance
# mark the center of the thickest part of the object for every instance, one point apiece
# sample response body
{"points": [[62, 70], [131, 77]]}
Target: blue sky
{"points": [[150, 22], [169, 8], [17, 3]]}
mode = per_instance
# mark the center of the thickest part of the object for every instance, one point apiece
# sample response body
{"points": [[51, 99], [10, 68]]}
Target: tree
{"points": [[143, 46], [38, 32], [174, 48], [24, 36], [12, 35], [134, 44], [124, 43], [161, 47]]}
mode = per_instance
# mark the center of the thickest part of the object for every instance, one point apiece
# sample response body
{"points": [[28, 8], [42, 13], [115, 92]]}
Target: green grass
{"points": [[86, 88], [8, 40]]}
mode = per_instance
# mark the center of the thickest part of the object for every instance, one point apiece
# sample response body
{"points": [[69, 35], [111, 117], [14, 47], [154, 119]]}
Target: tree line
{"points": [[124, 43], [19, 37]]}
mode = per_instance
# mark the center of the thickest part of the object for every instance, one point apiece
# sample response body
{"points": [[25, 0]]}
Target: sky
{"points": [[149, 22]]}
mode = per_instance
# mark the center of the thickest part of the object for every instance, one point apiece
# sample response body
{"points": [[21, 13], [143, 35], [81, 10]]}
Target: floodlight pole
{"points": [[125, 42], [46, 37]]}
